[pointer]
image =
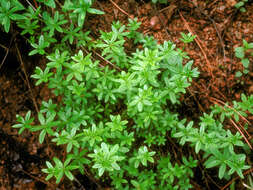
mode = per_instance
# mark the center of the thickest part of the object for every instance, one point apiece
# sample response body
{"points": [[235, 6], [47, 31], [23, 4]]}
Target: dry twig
{"points": [[199, 44], [38, 179], [113, 65], [244, 137], [215, 27], [234, 179], [121, 9], [160, 19], [26, 77], [7, 50], [223, 103]]}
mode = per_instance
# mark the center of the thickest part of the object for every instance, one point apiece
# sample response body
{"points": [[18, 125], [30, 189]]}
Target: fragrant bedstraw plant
{"points": [[218, 143], [8, 12], [43, 26], [240, 5], [242, 53], [116, 119]]}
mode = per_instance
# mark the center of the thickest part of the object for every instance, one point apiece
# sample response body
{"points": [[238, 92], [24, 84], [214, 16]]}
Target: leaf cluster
{"points": [[44, 27], [242, 53], [115, 119], [240, 5], [149, 81]]}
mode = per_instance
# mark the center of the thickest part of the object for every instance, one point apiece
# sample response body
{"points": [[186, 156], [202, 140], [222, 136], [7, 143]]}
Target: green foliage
{"points": [[43, 76], [80, 9], [60, 169], [87, 120], [115, 119], [240, 5], [39, 48], [53, 24], [217, 143], [24, 123], [29, 23], [8, 12], [106, 158], [170, 173], [187, 38], [44, 26], [160, 1], [142, 157], [242, 53]]}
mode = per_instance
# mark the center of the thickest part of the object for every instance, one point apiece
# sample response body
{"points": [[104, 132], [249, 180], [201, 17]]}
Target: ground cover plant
{"points": [[243, 53], [117, 116], [240, 5]]}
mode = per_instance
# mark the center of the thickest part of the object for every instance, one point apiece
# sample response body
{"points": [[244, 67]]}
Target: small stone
{"points": [[222, 8], [155, 23]]}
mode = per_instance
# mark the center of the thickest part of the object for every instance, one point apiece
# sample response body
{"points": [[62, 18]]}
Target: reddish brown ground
{"points": [[219, 28]]}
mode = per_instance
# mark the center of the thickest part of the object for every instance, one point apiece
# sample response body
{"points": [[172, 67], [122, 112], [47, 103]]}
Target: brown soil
{"points": [[219, 28]]}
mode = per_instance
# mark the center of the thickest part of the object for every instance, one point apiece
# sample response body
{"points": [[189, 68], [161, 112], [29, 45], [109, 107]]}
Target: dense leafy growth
{"points": [[117, 116]]}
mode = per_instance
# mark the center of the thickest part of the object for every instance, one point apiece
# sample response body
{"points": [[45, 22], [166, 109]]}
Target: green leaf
{"points": [[59, 176], [101, 171], [239, 4], [69, 175], [42, 136], [95, 11], [238, 74], [245, 71], [197, 147], [7, 24], [239, 52], [49, 165], [69, 147], [212, 162], [222, 170], [140, 106], [115, 166], [49, 175], [245, 62]]}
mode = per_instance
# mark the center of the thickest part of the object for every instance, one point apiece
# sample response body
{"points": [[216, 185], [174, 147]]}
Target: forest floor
{"points": [[219, 28]]}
